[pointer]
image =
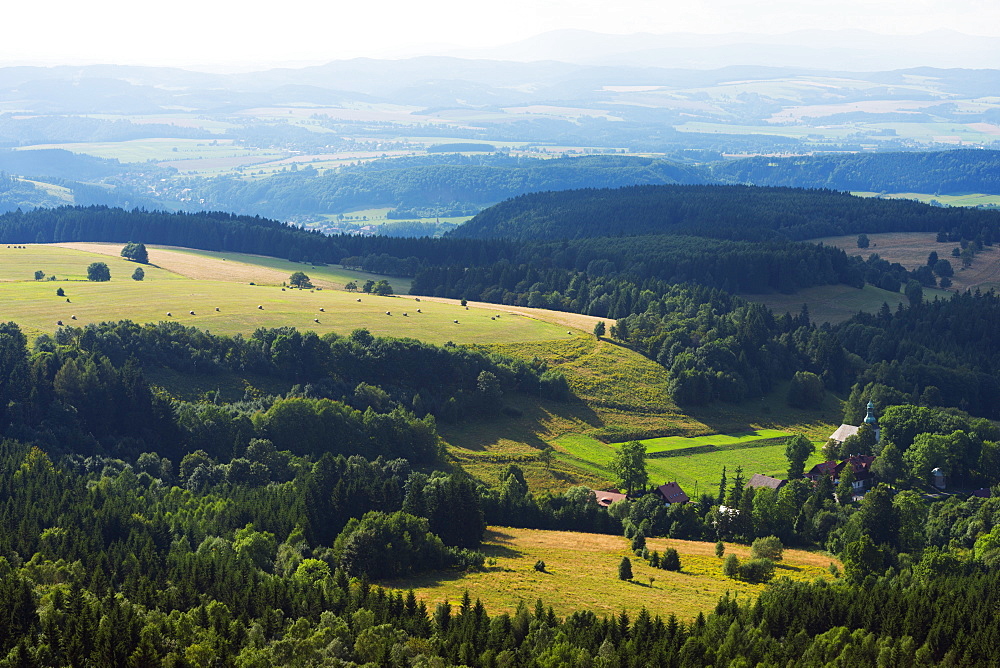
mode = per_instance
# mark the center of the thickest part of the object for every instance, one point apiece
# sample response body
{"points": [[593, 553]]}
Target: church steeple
{"points": [[870, 419]]}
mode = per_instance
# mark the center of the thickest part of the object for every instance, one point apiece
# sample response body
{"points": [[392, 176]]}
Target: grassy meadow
{"points": [[911, 249], [35, 306], [696, 462], [581, 573], [619, 394], [837, 303]]}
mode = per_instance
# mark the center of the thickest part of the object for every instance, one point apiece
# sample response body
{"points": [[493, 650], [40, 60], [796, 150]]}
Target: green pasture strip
{"points": [[957, 199], [668, 443], [836, 303], [700, 469]]}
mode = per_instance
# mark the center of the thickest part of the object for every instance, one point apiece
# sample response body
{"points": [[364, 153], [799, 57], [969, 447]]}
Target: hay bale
{"points": [[322, 310], [388, 313], [456, 322], [316, 320], [260, 307], [73, 317], [191, 312], [359, 298], [169, 314], [58, 322], [216, 308]]}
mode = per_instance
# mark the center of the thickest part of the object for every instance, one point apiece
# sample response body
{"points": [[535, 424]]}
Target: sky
{"points": [[228, 35]]}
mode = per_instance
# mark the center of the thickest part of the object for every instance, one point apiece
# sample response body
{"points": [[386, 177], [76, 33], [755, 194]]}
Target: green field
{"points": [[160, 149], [35, 306], [964, 199], [696, 471], [672, 443], [837, 303], [581, 573]]}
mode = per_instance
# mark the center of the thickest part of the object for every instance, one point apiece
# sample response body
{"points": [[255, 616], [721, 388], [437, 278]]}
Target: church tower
{"points": [[871, 420]]}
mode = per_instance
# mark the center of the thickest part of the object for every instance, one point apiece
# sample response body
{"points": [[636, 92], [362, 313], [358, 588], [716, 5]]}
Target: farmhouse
{"points": [[761, 481], [860, 464], [671, 492], [605, 498]]}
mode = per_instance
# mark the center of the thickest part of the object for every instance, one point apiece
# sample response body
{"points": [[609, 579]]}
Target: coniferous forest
{"points": [[140, 529]]}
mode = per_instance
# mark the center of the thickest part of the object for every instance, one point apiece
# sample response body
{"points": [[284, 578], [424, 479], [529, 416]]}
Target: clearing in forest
{"points": [[581, 573]]}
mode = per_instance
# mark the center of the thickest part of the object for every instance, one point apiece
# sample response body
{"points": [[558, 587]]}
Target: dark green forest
{"points": [[943, 172]]}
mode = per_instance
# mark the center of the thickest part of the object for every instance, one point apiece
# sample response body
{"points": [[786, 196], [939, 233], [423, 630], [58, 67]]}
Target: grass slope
{"points": [[35, 306], [696, 463], [582, 574], [911, 249], [836, 303]]}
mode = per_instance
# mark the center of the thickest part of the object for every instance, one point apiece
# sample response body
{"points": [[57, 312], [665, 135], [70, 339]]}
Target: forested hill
{"points": [[958, 171], [747, 213], [443, 185]]}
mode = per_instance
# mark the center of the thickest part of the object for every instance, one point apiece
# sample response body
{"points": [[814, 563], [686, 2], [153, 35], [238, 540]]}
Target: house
{"points": [[860, 465], [606, 498], [671, 492], [761, 481]]}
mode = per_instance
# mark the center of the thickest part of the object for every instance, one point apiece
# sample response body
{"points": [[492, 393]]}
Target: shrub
{"points": [[756, 571], [731, 566], [720, 549], [60, 292], [625, 569], [671, 561], [540, 566], [98, 271], [767, 548]]}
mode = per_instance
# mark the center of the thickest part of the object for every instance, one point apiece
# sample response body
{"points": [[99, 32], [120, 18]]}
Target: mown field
{"points": [[696, 462], [582, 574], [35, 306], [911, 249], [958, 199]]}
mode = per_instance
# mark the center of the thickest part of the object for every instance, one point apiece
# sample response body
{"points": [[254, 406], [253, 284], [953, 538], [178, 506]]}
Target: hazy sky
{"points": [[250, 32]]}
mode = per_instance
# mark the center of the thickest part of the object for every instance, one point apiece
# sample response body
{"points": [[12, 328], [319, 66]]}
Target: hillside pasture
{"points": [[242, 267], [911, 249], [837, 303], [696, 462], [35, 306], [581, 573]]}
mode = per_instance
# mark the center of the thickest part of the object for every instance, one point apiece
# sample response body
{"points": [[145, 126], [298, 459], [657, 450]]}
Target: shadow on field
{"points": [[524, 426]]}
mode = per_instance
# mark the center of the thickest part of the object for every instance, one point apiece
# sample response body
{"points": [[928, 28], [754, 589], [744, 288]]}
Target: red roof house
{"points": [[672, 493]]}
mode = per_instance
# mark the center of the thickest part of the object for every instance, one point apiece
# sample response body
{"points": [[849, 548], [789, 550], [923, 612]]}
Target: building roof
{"points": [[759, 480], [672, 493], [843, 431], [983, 493], [817, 472], [605, 498], [860, 463]]}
